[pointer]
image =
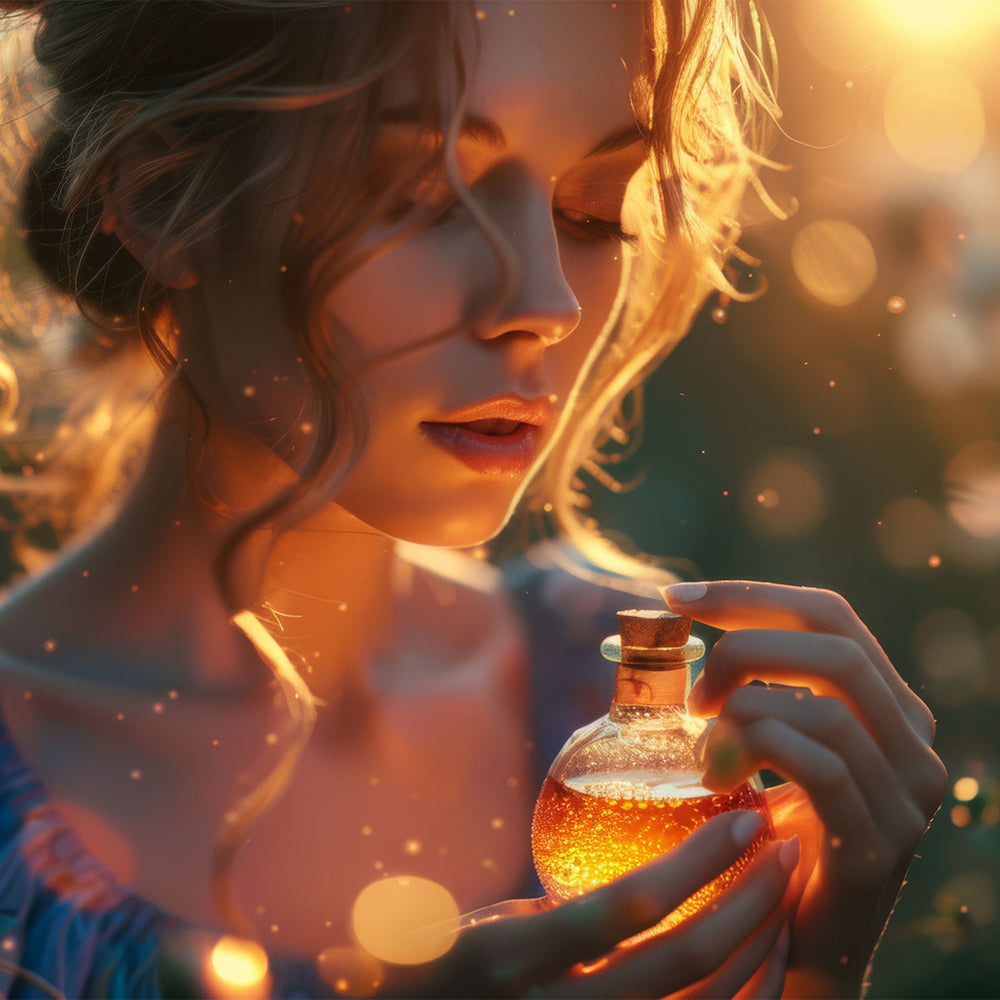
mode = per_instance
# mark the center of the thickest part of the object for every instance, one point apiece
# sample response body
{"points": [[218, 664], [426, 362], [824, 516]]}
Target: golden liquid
{"points": [[586, 836]]}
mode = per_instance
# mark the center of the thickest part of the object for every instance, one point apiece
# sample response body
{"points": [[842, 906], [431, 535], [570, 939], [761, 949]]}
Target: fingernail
{"points": [[685, 592], [783, 945], [788, 854], [745, 828]]}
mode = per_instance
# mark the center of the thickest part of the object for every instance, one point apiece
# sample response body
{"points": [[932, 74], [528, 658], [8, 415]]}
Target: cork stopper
{"points": [[653, 629]]}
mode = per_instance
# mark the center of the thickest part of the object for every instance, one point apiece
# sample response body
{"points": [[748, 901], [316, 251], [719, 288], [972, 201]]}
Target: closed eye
{"points": [[579, 225]]}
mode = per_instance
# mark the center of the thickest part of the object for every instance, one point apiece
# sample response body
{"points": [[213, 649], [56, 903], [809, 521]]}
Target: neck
{"points": [[150, 592]]}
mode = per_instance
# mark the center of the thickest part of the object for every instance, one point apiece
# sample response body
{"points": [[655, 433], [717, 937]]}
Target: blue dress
{"points": [[67, 928]]}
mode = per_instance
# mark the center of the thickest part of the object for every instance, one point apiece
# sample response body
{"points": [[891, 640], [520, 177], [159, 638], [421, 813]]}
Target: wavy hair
{"points": [[224, 86]]}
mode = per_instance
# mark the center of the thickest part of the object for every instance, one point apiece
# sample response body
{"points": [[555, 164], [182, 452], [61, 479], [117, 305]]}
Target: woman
{"points": [[393, 259]]}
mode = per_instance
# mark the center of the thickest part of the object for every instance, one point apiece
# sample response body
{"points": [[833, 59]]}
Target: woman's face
{"points": [[550, 88]]}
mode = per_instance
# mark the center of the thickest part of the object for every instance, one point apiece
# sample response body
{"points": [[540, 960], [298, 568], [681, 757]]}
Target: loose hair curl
{"points": [[222, 85]]}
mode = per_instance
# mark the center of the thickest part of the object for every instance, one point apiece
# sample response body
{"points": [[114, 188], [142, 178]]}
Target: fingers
{"points": [[827, 722], [851, 695], [871, 818], [826, 664], [736, 604], [509, 956], [751, 968], [719, 944], [768, 983]]}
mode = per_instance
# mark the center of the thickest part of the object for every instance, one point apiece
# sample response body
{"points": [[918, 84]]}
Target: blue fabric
{"points": [[63, 918]]}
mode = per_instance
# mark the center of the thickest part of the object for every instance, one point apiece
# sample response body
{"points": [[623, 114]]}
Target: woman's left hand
{"points": [[835, 718]]}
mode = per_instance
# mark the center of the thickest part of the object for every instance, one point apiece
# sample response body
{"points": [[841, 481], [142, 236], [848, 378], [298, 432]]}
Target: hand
{"points": [[854, 741], [568, 950]]}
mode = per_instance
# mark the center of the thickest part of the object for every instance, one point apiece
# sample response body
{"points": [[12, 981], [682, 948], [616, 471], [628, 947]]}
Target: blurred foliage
{"points": [[806, 443]]}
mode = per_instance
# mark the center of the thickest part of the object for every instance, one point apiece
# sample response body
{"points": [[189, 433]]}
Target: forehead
{"points": [[551, 73]]}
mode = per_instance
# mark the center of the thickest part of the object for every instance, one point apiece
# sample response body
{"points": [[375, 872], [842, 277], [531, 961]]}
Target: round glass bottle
{"points": [[627, 788]]}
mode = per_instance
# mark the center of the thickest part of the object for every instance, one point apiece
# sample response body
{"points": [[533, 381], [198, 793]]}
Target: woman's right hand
{"points": [[730, 948]]}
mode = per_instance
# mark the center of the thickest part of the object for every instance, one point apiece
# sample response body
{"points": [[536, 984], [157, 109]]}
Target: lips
{"points": [[495, 437]]}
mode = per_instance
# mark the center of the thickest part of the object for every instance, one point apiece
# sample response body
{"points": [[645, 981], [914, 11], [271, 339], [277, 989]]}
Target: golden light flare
{"points": [[238, 968], [951, 22], [834, 35], [834, 261], [405, 919], [934, 117], [973, 480], [784, 496]]}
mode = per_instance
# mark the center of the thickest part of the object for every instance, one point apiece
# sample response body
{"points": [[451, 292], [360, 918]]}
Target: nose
{"points": [[541, 301]]}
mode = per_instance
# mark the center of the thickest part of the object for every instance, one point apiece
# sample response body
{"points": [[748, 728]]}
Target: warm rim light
{"points": [[238, 961]]}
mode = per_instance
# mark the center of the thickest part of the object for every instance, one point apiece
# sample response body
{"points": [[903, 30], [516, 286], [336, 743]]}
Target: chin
{"points": [[456, 529]]}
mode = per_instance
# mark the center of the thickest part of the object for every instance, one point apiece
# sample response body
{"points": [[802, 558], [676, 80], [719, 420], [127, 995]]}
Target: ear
{"points": [[136, 208]]}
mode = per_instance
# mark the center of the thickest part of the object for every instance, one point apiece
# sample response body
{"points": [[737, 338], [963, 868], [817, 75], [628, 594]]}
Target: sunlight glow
{"points": [[934, 117]]}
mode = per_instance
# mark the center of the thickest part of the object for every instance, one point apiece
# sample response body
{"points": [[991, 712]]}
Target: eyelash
{"points": [[597, 230]]}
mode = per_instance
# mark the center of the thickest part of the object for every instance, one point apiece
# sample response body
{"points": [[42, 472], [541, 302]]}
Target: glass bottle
{"points": [[627, 788]]}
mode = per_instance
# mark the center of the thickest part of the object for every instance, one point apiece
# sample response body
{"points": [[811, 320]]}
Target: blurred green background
{"points": [[843, 430]]}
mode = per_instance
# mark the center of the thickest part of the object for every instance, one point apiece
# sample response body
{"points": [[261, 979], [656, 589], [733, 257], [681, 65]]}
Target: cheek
{"points": [[594, 276], [400, 298]]}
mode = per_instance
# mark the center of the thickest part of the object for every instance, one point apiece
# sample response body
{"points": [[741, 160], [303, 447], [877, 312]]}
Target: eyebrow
{"points": [[488, 132]]}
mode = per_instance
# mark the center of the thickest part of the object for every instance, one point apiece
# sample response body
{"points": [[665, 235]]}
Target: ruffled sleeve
{"points": [[66, 926]]}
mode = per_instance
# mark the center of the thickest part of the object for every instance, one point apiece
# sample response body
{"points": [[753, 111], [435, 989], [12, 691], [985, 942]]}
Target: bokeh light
{"points": [[940, 350], [834, 261], [952, 655], [934, 117], [239, 966], [973, 480], [910, 532], [965, 789], [405, 920], [784, 496], [961, 815]]}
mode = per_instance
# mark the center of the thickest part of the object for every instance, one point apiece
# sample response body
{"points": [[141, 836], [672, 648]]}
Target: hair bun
{"points": [[69, 247]]}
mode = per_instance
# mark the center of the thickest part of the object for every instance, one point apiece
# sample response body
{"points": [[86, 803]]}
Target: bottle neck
{"points": [[636, 684]]}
